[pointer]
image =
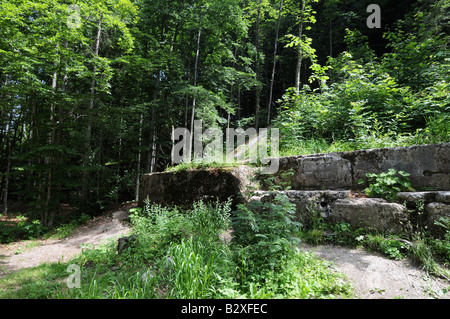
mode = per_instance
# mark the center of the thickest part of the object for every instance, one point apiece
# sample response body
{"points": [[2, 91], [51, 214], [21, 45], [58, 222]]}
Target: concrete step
{"points": [[360, 211]]}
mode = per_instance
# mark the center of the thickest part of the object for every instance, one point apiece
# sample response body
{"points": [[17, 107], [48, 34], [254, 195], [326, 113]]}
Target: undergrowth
{"points": [[180, 254]]}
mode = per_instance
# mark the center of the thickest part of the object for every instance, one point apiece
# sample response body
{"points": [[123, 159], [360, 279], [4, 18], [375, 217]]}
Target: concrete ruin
{"points": [[326, 184]]}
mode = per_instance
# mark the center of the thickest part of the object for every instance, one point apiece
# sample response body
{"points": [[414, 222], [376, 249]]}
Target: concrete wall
{"points": [[429, 166], [186, 187], [322, 182]]}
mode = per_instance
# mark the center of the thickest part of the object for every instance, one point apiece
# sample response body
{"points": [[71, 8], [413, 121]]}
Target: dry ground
{"points": [[16, 256], [376, 277]]}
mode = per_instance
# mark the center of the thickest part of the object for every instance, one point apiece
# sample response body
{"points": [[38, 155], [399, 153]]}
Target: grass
{"points": [[200, 165], [180, 255], [33, 283], [291, 147]]}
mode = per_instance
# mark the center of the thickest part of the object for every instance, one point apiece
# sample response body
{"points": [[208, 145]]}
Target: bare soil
{"points": [[16, 256], [371, 275], [377, 277]]}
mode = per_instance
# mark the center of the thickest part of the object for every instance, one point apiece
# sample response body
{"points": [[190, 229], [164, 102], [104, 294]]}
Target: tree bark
{"points": [[258, 89], [299, 49], [48, 214], [138, 168], [8, 166], [85, 178], [331, 41], [197, 54], [274, 62]]}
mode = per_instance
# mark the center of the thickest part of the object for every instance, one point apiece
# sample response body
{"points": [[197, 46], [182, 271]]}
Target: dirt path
{"points": [[376, 277], [94, 232], [372, 276]]}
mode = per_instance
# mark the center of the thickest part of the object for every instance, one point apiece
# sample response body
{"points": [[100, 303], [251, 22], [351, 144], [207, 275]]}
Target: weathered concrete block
{"points": [[414, 197], [186, 187], [337, 206], [411, 198], [375, 213], [435, 211], [321, 171], [443, 197], [308, 203], [428, 166]]}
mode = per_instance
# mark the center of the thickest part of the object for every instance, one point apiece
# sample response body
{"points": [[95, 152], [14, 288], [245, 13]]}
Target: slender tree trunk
{"points": [[187, 98], [258, 89], [331, 41], [239, 104], [299, 50], [138, 175], [231, 101], [119, 156], [153, 154], [269, 104], [48, 213], [4, 145], [197, 53], [85, 178], [232, 87], [8, 166], [11, 139], [6, 189]]}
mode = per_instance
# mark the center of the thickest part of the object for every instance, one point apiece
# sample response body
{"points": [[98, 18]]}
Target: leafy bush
{"points": [[442, 245], [282, 181], [387, 184], [398, 99]]}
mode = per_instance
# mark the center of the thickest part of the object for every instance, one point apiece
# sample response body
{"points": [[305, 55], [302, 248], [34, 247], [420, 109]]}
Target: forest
{"points": [[90, 91]]}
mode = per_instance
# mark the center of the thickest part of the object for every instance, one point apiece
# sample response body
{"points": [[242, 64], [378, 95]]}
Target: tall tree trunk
{"points": [[231, 101], [239, 104], [258, 88], [331, 41], [35, 135], [299, 50], [6, 189], [85, 178], [274, 62], [138, 168], [154, 135], [48, 213], [186, 107], [197, 53], [8, 166], [232, 86], [153, 148], [3, 136]]}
